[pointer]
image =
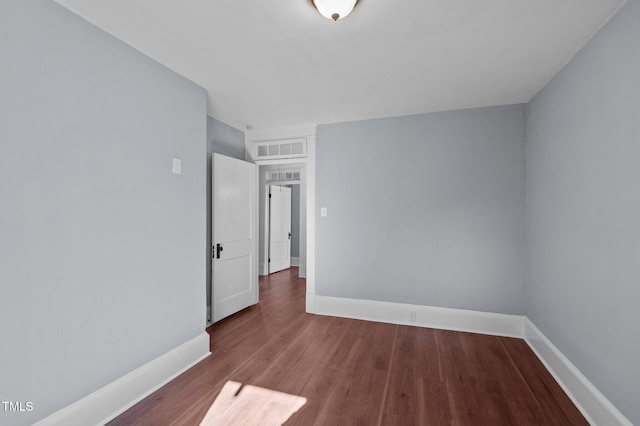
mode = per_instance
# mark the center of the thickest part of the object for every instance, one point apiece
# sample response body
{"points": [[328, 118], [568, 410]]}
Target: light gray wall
{"points": [[101, 246], [425, 209], [226, 140], [583, 210], [295, 220]]}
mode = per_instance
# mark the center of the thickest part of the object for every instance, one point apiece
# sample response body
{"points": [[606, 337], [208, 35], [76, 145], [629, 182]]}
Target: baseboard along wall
{"points": [[118, 396], [596, 408], [422, 316], [263, 269]]}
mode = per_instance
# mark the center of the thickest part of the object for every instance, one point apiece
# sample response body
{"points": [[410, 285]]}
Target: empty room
{"points": [[320, 212]]}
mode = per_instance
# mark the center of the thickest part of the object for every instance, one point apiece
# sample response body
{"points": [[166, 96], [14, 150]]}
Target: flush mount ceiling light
{"points": [[334, 9]]}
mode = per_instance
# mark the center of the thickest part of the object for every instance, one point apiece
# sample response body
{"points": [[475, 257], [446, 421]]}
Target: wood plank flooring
{"points": [[361, 373]]}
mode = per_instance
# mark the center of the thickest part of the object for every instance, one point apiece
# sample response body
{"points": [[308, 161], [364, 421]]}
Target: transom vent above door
{"points": [[283, 175], [289, 148]]}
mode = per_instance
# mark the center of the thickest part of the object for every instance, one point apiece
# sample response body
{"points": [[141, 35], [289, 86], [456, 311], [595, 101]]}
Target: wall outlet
{"points": [[412, 316]]}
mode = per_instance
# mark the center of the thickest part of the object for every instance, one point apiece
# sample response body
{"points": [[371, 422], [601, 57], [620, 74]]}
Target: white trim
{"points": [[425, 316], [115, 398], [307, 192], [310, 303], [295, 261], [309, 260], [596, 408], [262, 269]]}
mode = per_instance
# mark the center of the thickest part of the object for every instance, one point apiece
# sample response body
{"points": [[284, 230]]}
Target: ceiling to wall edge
{"points": [[256, 134], [280, 132]]}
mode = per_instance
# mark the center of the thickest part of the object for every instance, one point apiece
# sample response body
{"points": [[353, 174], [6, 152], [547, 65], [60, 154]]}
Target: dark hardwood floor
{"points": [[361, 373]]}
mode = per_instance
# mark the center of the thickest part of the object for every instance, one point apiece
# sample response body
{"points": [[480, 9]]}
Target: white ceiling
{"points": [[279, 62]]}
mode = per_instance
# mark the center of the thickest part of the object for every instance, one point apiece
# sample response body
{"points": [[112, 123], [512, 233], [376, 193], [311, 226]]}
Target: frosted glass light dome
{"points": [[334, 9]]}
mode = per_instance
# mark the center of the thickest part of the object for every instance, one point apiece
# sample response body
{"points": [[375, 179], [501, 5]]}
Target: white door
{"points": [[234, 198], [279, 228]]}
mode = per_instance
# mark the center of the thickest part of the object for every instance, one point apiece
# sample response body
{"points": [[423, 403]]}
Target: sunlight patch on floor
{"points": [[251, 405]]}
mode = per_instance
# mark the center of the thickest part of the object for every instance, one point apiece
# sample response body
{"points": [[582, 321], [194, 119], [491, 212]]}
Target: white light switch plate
{"points": [[177, 166], [323, 212]]}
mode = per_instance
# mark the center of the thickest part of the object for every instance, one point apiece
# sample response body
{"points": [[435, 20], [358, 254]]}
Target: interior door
{"points": [[279, 228], [234, 233]]}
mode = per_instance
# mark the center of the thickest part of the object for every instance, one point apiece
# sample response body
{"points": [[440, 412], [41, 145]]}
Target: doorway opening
{"points": [[291, 162], [278, 151], [282, 217]]}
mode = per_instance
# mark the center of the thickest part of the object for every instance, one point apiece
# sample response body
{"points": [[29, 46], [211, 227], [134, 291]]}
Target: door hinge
{"points": [[269, 195], [213, 252], [289, 235], [269, 260]]}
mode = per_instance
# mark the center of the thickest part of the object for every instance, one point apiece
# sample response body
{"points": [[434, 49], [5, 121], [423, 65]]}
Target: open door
{"points": [[279, 228], [234, 266]]}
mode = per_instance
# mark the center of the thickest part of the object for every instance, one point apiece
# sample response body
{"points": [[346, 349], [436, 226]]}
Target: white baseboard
{"points": [[113, 399], [596, 408], [424, 316], [295, 261], [263, 269]]}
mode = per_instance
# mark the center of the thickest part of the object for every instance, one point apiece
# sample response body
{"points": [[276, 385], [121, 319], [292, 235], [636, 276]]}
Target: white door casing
{"points": [[279, 228], [307, 194], [234, 234]]}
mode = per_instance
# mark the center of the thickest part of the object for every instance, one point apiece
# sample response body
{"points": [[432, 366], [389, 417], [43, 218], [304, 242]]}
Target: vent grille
{"points": [[283, 175], [290, 148]]}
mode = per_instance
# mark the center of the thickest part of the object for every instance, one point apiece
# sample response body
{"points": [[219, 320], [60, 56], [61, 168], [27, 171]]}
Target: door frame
{"points": [[281, 188], [308, 185], [264, 215]]}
